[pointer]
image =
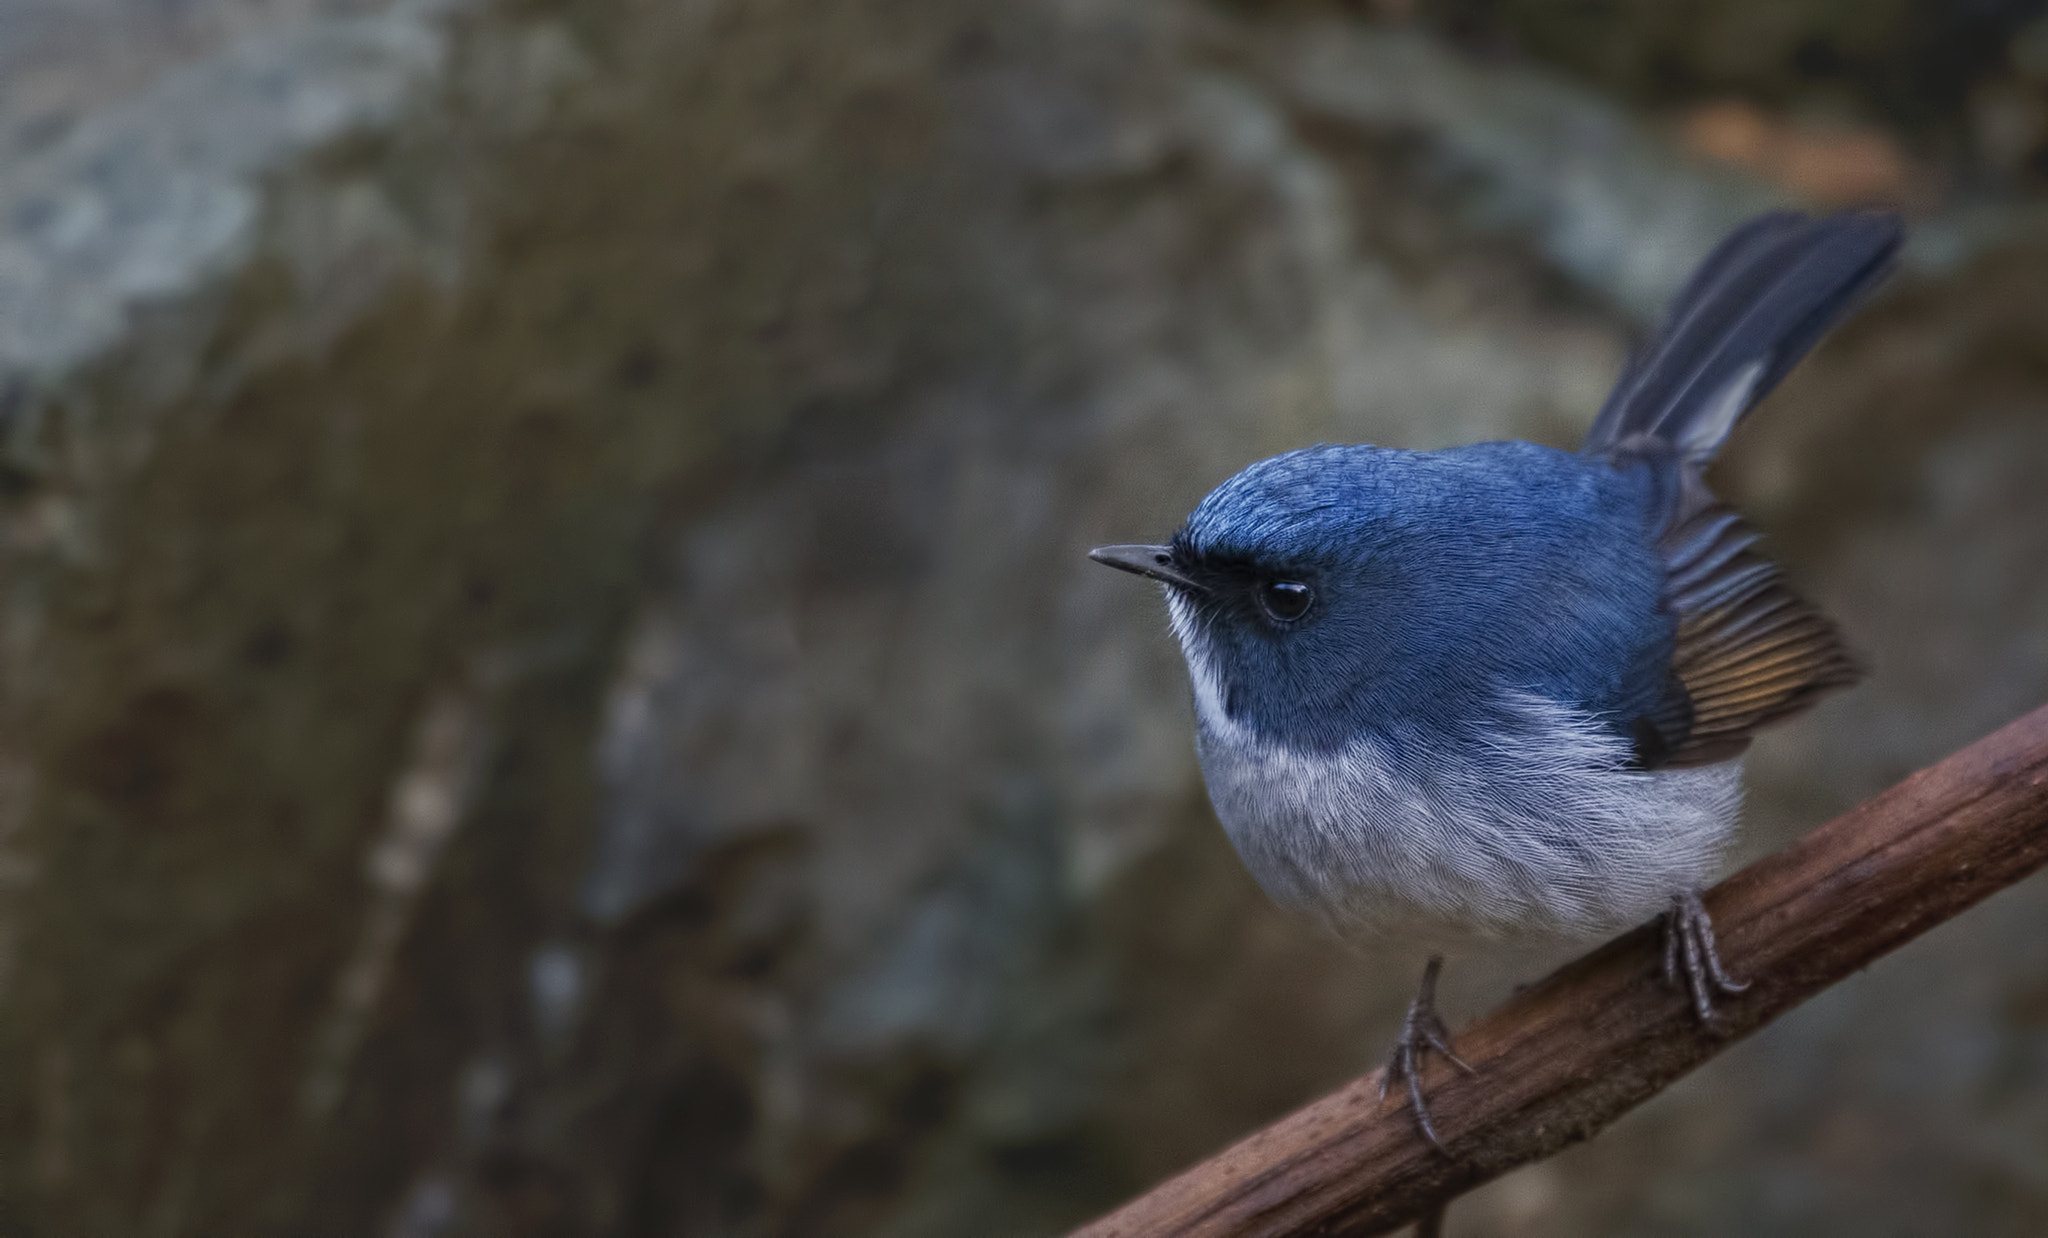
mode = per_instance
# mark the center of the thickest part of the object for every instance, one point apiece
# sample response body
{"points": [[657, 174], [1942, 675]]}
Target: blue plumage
{"points": [[1499, 689], [1440, 577]]}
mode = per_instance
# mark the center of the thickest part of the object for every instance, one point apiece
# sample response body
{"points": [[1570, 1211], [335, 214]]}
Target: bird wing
{"points": [[1749, 651]]}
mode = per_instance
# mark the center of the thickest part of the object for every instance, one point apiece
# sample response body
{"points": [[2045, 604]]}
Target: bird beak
{"points": [[1153, 561]]}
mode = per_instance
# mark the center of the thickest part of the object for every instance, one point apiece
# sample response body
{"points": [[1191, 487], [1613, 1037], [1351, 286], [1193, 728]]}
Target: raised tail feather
{"points": [[1747, 651], [1759, 303]]}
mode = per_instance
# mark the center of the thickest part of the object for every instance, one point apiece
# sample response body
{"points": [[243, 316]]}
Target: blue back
{"points": [[1440, 578]]}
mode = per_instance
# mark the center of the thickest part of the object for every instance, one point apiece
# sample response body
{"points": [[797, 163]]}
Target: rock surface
{"points": [[549, 681]]}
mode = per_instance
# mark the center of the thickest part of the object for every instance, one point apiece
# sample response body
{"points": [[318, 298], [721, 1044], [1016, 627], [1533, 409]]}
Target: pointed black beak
{"points": [[1153, 561]]}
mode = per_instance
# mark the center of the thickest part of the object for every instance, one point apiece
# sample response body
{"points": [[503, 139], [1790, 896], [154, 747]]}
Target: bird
{"points": [[1502, 691]]}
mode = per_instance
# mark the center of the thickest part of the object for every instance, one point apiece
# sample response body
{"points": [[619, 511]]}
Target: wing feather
{"points": [[1749, 651]]}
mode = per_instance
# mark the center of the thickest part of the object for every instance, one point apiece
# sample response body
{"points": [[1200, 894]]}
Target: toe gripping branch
{"points": [[1846, 894], [1691, 963], [1421, 1032], [1689, 943]]}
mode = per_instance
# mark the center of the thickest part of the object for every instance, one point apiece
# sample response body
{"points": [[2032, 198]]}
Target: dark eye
{"points": [[1285, 600]]}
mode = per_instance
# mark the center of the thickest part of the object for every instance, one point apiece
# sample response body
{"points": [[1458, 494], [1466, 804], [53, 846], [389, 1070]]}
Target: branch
{"points": [[1598, 1037]]}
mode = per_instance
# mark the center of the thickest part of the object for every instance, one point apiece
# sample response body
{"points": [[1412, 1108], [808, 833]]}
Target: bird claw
{"points": [[1691, 961], [1422, 1031]]}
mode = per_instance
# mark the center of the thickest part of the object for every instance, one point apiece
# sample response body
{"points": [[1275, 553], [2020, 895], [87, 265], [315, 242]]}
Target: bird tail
{"points": [[1758, 304]]}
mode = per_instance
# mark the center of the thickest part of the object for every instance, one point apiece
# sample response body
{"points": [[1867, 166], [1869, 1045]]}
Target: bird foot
{"points": [[1691, 961], [1422, 1032]]}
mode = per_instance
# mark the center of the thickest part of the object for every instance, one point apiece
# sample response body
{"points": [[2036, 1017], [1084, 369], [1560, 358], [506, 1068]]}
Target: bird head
{"points": [[1284, 585]]}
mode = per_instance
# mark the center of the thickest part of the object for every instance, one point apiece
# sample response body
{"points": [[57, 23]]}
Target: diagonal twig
{"points": [[1599, 1036]]}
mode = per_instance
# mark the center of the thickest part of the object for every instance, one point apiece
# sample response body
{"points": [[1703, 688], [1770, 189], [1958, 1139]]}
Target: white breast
{"points": [[1542, 829]]}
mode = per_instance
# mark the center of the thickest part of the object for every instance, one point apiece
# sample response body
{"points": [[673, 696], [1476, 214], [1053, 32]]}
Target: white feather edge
{"points": [[1711, 426]]}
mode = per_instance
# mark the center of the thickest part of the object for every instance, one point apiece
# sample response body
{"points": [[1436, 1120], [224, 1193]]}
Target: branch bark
{"points": [[1596, 1038]]}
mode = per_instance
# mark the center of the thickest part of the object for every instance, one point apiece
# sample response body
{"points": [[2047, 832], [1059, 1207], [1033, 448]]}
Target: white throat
{"points": [[1541, 827]]}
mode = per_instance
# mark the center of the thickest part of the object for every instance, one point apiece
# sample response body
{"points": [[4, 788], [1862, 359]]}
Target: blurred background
{"points": [[548, 679]]}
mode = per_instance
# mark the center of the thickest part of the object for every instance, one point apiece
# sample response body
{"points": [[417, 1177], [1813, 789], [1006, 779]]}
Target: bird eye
{"points": [[1285, 600]]}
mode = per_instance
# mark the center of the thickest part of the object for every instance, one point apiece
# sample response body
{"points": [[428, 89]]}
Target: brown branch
{"points": [[1599, 1036]]}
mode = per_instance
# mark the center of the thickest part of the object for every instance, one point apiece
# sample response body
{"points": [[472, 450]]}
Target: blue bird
{"points": [[1501, 690]]}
